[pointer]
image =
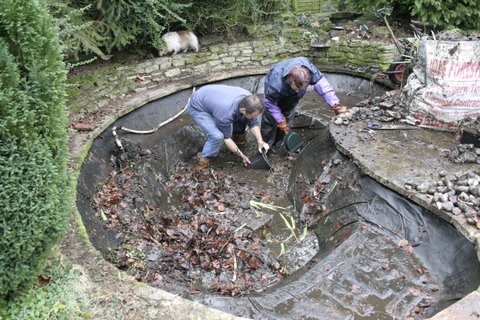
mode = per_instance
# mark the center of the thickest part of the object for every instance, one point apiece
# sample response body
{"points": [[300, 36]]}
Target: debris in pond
{"points": [[203, 234]]}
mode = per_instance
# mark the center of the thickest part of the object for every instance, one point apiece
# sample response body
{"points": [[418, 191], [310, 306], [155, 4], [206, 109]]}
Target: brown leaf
{"points": [[414, 292], [80, 126], [433, 287], [253, 263], [402, 243], [409, 250], [424, 279]]}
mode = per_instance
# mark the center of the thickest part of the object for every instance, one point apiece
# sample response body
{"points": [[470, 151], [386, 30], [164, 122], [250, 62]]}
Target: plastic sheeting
{"points": [[364, 269], [445, 85]]}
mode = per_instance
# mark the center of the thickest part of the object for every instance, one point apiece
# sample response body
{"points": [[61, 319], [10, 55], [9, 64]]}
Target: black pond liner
{"points": [[360, 271]]}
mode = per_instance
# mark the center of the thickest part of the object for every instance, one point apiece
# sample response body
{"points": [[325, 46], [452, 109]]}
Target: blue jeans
{"points": [[215, 138]]}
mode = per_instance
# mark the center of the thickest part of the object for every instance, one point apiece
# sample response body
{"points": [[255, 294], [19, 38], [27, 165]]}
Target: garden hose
{"points": [[160, 125]]}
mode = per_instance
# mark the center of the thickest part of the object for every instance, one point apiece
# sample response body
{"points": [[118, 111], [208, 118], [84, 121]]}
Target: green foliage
{"points": [[77, 34], [448, 14], [439, 14], [125, 23], [227, 17], [35, 188], [58, 296], [100, 27]]}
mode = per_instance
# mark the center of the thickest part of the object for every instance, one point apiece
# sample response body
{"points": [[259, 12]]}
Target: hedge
{"points": [[35, 189]]}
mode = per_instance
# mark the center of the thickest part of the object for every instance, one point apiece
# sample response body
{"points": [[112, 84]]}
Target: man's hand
{"points": [[263, 146], [246, 161], [339, 109], [282, 125]]}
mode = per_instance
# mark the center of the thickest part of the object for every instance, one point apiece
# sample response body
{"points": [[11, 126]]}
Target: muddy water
{"points": [[347, 248]]}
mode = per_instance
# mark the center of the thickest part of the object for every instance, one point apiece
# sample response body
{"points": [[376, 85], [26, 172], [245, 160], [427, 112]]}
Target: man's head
{"points": [[251, 106], [299, 78]]}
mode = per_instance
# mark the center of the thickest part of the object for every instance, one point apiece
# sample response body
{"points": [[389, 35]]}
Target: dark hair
{"points": [[251, 104]]}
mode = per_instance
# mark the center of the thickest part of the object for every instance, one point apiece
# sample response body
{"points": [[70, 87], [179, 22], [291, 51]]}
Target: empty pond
{"points": [[312, 239]]}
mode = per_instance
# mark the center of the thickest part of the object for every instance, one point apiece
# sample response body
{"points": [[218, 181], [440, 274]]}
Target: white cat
{"points": [[178, 41]]}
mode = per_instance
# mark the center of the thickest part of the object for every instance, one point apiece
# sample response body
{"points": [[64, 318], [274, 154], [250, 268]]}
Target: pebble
{"points": [[460, 195], [475, 191], [456, 211], [447, 206], [461, 188], [471, 221], [423, 188], [463, 196]]}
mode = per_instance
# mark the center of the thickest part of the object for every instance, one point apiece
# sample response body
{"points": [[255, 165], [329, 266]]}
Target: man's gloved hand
{"points": [[282, 125], [338, 109], [263, 146]]}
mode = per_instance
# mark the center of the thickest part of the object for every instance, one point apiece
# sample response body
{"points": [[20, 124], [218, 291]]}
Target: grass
{"points": [[59, 294]]}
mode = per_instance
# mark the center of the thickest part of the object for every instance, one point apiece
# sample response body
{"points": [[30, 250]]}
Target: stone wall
{"points": [[92, 89]]}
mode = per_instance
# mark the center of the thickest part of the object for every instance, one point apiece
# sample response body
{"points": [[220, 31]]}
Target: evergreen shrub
{"points": [[35, 189], [437, 14]]}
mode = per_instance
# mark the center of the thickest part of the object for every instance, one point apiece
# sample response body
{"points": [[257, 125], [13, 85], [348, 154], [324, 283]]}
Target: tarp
{"points": [[445, 85]]}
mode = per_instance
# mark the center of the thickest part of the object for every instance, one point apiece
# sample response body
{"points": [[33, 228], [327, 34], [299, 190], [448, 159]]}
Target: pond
{"points": [[314, 238]]}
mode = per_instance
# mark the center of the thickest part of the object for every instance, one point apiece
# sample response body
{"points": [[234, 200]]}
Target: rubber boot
{"points": [[202, 163]]}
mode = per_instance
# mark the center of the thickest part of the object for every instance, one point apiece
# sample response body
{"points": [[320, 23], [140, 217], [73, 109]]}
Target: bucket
{"points": [[292, 141], [260, 161]]}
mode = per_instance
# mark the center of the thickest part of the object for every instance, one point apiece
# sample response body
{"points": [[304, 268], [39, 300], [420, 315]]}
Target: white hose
{"points": [[161, 124]]}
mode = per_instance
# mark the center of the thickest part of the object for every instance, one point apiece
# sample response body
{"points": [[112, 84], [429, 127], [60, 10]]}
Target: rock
{"points": [[423, 188], [471, 221], [456, 211], [447, 206], [463, 196], [475, 191], [444, 197]]}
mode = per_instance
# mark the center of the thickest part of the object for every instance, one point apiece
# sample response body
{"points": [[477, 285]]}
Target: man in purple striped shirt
{"points": [[285, 84]]}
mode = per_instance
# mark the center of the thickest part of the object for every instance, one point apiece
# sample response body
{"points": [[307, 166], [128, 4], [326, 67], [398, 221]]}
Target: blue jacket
{"points": [[221, 102]]}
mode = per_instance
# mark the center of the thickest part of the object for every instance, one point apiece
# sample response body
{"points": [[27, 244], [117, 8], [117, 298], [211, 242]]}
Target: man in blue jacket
{"points": [[222, 111], [285, 84]]}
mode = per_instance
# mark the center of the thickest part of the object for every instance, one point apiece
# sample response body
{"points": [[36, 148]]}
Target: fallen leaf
{"points": [[414, 292], [409, 250], [80, 126], [403, 243], [433, 287]]}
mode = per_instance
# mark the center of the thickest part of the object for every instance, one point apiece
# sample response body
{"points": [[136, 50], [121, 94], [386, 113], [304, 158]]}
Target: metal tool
{"points": [[376, 125]]}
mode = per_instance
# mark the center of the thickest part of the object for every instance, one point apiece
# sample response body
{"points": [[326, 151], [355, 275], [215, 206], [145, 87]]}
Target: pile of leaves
{"points": [[193, 246]]}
